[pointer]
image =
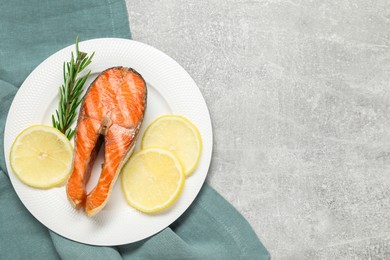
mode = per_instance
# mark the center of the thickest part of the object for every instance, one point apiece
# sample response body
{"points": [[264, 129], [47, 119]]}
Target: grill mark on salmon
{"points": [[112, 112]]}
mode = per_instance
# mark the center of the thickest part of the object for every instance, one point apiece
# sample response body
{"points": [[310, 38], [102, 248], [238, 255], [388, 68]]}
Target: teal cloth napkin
{"points": [[30, 31]]}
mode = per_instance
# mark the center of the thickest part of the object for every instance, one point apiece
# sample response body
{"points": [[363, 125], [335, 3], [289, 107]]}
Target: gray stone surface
{"points": [[299, 95]]}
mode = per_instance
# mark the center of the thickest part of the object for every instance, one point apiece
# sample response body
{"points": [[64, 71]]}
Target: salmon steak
{"points": [[111, 113]]}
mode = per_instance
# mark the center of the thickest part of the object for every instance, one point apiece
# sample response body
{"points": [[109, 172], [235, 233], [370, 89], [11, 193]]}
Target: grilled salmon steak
{"points": [[112, 112]]}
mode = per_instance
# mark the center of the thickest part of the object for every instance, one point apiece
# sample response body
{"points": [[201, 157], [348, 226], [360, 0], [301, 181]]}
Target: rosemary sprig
{"points": [[70, 91]]}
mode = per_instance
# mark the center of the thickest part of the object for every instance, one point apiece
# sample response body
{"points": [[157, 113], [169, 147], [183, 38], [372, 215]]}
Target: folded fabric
{"points": [[31, 31]]}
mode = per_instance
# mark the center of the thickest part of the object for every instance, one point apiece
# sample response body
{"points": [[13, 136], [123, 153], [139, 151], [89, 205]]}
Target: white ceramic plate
{"points": [[170, 90]]}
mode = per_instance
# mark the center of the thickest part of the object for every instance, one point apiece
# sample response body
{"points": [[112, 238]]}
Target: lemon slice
{"points": [[178, 135], [152, 180], [41, 156]]}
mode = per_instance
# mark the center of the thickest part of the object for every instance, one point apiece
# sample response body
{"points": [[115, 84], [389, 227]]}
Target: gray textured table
{"points": [[299, 95]]}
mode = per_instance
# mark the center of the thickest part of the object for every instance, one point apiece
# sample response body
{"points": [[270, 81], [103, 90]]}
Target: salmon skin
{"points": [[112, 112]]}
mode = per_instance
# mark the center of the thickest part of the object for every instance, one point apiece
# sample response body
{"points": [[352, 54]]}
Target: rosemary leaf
{"points": [[63, 69], [53, 121], [70, 134], [79, 102]]}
